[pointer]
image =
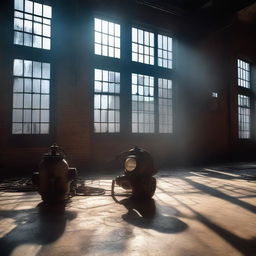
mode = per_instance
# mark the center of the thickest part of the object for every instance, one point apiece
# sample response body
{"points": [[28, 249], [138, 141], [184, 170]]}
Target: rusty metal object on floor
{"points": [[55, 179], [138, 174]]}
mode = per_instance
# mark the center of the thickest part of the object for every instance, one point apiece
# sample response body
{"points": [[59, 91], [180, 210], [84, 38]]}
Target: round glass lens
{"points": [[130, 164]]}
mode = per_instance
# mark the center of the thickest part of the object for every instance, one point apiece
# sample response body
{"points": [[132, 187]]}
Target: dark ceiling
{"points": [[204, 16], [199, 7]]}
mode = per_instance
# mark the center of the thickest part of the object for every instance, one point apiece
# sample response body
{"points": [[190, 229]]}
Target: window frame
{"points": [[107, 35], [107, 94], [34, 22], [126, 66], [34, 54], [32, 92], [248, 92]]}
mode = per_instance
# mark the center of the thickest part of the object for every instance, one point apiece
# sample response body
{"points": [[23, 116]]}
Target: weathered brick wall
{"points": [[205, 128]]}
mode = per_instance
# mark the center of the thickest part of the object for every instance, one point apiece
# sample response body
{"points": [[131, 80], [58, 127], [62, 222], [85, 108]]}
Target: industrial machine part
{"points": [[138, 173], [55, 179]]}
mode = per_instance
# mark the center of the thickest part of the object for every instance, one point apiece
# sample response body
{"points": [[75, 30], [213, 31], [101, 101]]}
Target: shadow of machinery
{"points": [[42, 225], [145, 214]]}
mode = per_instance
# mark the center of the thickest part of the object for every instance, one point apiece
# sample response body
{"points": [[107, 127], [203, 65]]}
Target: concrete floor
{"points": [[194, 212]]}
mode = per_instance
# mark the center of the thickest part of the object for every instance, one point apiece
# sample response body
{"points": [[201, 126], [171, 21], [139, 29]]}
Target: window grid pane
{"points": [[142, 104], [106, 38], [243, 70], [165, 105], [244, 117], [32, 24], [164, 51], [31, 97], [142, 46], [106, 101]]}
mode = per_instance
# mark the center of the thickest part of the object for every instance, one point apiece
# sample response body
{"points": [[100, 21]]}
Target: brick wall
{"points": [[205, 128]]}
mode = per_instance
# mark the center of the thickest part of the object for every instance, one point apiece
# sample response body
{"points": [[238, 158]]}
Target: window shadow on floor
{"points": [[246, 246], [221, 195]]}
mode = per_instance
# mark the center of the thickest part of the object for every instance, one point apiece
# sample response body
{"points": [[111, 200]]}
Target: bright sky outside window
{"points": [[164, 51], [106, 38], [32, 24], [31, 97], [142, 104], [243, 69], [244, 117], [165, 105], [142, 46], [106, 101], [214, 94]]}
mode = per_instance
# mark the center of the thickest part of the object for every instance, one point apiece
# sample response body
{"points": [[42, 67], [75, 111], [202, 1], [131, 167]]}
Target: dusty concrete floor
{"points": [[194, 212]]}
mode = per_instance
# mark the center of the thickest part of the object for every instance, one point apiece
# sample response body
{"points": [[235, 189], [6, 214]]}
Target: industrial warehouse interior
{"points": [[128, 128]]}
